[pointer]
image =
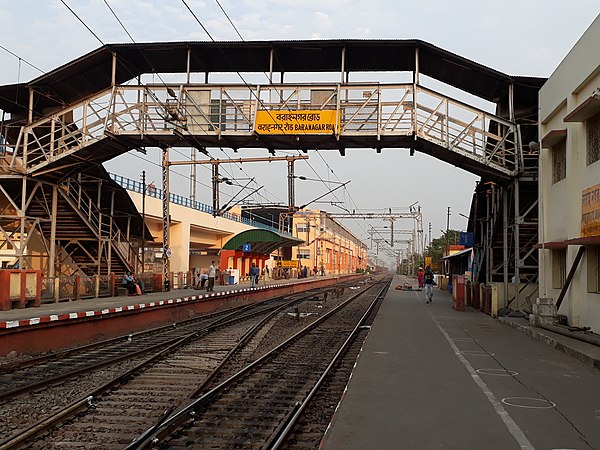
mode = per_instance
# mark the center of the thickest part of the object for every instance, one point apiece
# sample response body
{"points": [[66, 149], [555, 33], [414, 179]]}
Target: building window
{"points": [[559, 161], [302, 228], [303, 253], [559, 268], [593, 269], [593, 139]]}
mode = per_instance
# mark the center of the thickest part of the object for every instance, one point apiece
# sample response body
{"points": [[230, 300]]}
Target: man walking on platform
{"points": [[429, 282], [212, 272]]}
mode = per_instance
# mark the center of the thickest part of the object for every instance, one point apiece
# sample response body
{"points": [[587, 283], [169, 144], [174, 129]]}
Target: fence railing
{"points": [[77, 287], [81, 287], [153, 191]]}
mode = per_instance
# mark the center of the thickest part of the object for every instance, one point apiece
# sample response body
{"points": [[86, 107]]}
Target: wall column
{"points": [[180, 246]]}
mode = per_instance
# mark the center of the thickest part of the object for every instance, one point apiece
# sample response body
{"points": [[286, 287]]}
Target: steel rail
{"points": [[283, 431], [183, 415], [45, 423], [112, 360], [242, 341], [74, 350], [13, 441]]}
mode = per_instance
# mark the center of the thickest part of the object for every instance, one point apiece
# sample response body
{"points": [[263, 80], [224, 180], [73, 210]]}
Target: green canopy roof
{"points": [[261, 241]]}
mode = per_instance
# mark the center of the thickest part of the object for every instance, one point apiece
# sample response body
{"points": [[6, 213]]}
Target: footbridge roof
{"points": [[92, 72]]}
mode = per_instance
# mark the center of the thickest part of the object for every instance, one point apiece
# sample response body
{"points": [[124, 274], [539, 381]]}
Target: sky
{"points": [[524, 37]]}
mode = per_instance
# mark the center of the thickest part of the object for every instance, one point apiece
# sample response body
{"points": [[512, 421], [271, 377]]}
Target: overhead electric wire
{"points": [[230, 21], [163, 82], [271, 83], [21, 59], [119, 20], [82, 22]]}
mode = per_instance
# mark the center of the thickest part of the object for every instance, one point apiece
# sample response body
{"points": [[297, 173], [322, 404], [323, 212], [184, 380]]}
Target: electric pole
{"points": [[143, 218], [447, 230]]}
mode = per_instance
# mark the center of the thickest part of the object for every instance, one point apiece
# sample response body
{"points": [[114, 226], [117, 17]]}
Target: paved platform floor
{"points": [[429, 377], [94, 304]]}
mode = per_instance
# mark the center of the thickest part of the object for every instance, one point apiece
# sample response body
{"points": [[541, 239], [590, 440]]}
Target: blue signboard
{"points": [[246, 247], [466, 239]]}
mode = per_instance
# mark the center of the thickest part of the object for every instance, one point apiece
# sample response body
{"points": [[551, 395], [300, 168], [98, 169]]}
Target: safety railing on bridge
{"points": [[364, 110], [153, 191]]}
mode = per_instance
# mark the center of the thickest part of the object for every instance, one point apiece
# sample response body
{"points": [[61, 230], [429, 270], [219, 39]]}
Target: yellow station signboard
{"points": [[296, 122], [288, 263], [590, 211]]}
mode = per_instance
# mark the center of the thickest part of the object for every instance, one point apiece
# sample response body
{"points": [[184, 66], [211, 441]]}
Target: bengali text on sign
{"points": [[296, 122], [590, 211]]}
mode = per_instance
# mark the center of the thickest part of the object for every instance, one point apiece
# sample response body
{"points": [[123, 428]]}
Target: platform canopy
{"points": [[261, 241]]}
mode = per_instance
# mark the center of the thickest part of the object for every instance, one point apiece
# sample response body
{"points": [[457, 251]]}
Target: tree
{"points": [[437, 246]]}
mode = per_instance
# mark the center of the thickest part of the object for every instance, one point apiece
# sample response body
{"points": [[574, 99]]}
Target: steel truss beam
{"points": [[367, 115], [30, 223]]}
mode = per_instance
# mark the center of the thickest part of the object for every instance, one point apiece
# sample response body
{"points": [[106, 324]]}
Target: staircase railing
{"points": [[87, 209]]}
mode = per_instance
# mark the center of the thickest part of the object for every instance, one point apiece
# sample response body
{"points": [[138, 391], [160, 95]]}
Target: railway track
{"points": [[39, 404], [260, 405], [36, 373], [155, 391]]}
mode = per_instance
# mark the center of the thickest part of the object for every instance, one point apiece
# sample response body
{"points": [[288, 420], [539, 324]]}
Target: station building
{"points": [[327, 244], [569, 205]]}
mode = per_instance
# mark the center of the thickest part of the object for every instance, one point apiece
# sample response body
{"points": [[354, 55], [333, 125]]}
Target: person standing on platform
{"points": [[254, 275], [212, 273], [420, 275], [429, 284], [266, 273]]}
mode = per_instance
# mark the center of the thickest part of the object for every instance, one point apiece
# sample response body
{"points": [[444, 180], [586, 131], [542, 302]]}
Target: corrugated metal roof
{"points": [[261, 241], [462, 252], [91, 73]]}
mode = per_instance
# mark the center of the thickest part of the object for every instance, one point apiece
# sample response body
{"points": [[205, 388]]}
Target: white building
{"points": [[570, 183]]}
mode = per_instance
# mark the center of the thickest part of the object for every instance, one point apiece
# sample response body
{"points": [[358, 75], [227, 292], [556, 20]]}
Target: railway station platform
{"points": [[431, 377], [34, 330]]}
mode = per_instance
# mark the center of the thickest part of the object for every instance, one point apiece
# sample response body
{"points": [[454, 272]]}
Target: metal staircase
{"points": [[85, 235], [118, 251]]}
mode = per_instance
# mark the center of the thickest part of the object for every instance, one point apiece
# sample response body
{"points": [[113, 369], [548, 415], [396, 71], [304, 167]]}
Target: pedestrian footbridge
{"points": [[287, 117], [100, 105], [115, 99]]}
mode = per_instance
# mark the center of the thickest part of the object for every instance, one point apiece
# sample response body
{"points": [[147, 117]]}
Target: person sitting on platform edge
{"points": [[129, 282]]}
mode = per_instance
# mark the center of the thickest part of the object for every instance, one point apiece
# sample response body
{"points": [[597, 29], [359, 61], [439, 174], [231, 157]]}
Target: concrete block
{"points": [[544, 301], [544, 312]]}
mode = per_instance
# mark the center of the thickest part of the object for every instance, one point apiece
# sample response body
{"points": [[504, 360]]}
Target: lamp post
{"points": [[143, 219]]}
